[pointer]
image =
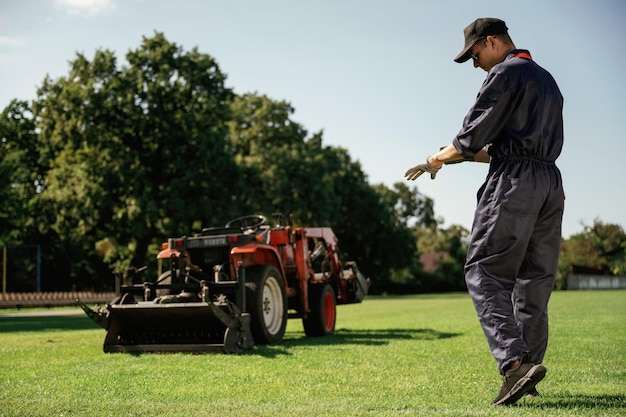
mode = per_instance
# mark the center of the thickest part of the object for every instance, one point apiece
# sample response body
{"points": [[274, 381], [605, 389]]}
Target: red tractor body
{"points": [[230, 287]]}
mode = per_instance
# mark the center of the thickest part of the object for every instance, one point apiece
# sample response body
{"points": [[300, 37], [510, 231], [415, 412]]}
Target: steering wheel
{"points": [[248, 223]]}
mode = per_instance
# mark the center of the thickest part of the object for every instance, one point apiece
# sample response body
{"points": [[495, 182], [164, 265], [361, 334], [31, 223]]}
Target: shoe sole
{"points": [[525, 384]]}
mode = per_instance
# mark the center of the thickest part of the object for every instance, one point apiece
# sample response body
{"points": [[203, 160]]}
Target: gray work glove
{"points": [[413, 173]]}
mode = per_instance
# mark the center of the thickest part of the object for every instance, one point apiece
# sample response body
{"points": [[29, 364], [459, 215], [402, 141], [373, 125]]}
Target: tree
{"points": [[21, 179], [281, 168], [113, 159], [411, 207], [20, 172], [284, 169], [450, 243], [134, 154], [599, 247]]}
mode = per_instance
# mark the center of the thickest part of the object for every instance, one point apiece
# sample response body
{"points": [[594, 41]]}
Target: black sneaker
{"points": [[519, 381], [533, 393]]}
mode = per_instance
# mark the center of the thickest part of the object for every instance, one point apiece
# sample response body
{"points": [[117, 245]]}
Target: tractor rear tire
{"points": [[322, 318], [266, 301]]}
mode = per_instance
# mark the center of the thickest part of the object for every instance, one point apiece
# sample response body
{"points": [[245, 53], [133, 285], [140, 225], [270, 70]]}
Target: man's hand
{"points": [[414, 173]]}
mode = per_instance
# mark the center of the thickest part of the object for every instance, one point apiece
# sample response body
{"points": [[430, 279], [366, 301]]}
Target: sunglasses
{"points": [[475, 56]]}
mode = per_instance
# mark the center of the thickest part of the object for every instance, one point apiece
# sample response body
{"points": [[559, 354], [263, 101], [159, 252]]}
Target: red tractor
{"points": [[230, 287]]}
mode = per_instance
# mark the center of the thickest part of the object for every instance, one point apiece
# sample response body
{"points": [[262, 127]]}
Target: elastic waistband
{"points": [[522, 158]]}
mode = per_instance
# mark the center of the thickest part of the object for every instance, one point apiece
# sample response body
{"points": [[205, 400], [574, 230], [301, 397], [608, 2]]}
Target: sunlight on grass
{"points": [[390, 356]]}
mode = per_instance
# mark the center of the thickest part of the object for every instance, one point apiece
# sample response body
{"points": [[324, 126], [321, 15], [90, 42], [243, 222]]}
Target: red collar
{"points": [[525, 55]]}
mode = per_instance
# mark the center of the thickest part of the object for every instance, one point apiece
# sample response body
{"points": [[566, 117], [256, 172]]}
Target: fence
{"points": [[52, 299], [595, 282]]}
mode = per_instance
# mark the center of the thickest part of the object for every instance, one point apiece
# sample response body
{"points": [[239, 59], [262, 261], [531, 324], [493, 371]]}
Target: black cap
{"points": [[477, 30]]}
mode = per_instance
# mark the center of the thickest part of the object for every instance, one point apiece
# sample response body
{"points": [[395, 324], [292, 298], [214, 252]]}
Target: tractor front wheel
{"points": [[266, 301], [321, 320]]}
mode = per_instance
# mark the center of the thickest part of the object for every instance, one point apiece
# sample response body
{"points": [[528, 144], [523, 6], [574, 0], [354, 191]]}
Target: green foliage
{"points": [[283, 169], [131, 155], [410, 207], [600, 247], [450, 246], [20, 171], [109, 161], [390, 356], [134, 147], [280, 169], [21, 179]]}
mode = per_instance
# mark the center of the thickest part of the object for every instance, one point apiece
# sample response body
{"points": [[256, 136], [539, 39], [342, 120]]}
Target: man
{"points": [[516, 125]]}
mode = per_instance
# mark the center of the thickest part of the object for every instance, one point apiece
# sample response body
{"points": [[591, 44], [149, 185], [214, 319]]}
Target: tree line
{"points": [[109, 161]]}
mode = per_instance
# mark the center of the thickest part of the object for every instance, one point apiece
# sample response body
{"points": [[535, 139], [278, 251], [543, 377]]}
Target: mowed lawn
{"points": [[390, 356]]}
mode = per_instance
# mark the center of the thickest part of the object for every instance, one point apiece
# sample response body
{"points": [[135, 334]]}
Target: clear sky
{"points": [[376, 76]]}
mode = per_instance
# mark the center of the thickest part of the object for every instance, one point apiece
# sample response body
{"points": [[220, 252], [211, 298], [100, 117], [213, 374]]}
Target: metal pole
{"points": [[38, 268], [4, 270], [240, 295]]}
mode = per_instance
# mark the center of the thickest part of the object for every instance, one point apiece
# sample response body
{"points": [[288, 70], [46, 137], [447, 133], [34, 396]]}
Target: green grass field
{"points": [[390, 356]]}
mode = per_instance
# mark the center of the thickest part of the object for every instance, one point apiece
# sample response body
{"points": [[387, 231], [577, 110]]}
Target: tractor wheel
{"points": [[321, 320], [266, 301]]}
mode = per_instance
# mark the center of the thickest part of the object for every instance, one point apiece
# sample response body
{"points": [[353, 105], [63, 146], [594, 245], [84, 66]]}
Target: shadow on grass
{"points": [[379, 337], [577, 402], [44, 323]]}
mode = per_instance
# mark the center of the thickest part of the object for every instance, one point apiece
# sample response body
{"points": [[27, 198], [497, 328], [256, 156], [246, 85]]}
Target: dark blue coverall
{"points": [[515, 240]]}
